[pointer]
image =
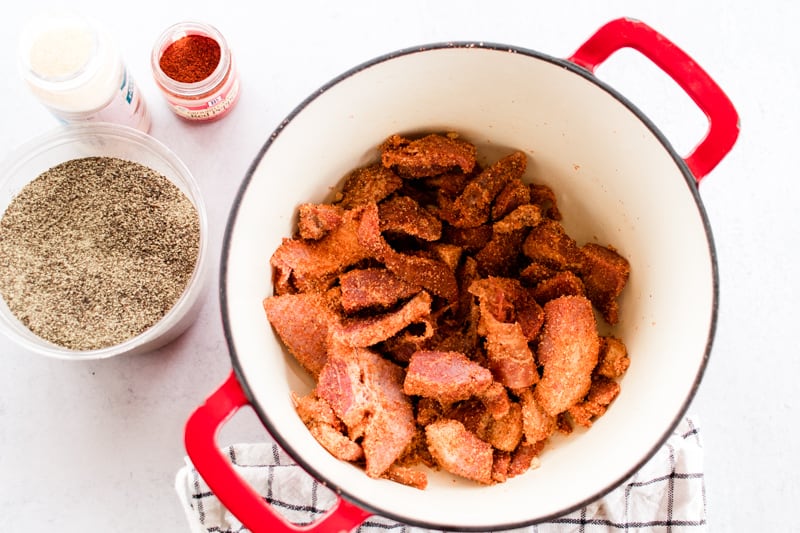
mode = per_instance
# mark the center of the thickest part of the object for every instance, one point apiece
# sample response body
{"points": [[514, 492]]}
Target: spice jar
{"points": [[75, 69], [194, 68]]}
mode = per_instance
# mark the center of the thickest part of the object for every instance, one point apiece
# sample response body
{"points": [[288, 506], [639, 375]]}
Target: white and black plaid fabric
{"points": [[666, 495]]}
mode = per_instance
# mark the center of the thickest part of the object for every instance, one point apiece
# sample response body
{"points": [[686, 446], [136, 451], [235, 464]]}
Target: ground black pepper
{"points": [[96, 250]]}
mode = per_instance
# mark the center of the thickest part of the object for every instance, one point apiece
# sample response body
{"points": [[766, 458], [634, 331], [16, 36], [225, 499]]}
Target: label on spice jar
{"points": [[213, 108], [126, 107]]}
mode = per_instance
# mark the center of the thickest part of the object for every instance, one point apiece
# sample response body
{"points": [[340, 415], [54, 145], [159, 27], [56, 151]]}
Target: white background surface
{"points": [[95, 446]]}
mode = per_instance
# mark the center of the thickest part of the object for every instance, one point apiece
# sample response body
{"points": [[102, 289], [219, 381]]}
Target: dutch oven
{"points": [[618, 181]]}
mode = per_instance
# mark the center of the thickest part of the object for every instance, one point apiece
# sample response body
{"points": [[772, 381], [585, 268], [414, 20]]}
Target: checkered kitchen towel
{"points": [[666, 494]]}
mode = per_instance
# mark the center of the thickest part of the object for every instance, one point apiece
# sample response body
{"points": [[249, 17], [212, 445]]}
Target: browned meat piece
{"points": [[535, 273], [473, 414], [614, 361], [470, 239], [402, 215], [363, 332], [602, 392], [317, 220], [500, 256], [373, 288], [568, 351], [303, 265], [416, 453], [508, 301], [449, 254], [513, 195], [407, 476], [449, 184], [367, 185], [365, 392], [445, 376], [496, 400], [506, 433], [311, 409], [563, 283], [322, 423], [459, 451], [523, 217], [500, 465], [524, 458], [547, 243], [563, 424], [543, 196], [604, 274], [428, 410], [303, 321], [537, 425], [415, 337], [432, 275], [510, 358], [472, 207], [431, 155]]}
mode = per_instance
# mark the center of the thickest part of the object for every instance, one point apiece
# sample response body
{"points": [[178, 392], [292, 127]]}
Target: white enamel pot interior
{"points": [[618, 182]]}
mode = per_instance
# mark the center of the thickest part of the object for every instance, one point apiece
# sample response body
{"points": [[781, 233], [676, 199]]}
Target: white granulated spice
{"points": [[96, 250]]}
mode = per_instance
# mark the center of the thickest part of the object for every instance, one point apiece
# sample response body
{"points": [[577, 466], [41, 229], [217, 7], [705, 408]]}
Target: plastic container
{"points": [[111, 140], [76, 71], [200, 87]]}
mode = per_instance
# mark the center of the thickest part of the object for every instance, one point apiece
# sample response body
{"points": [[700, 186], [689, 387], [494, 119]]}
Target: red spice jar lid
{"points": [[193, 66]]}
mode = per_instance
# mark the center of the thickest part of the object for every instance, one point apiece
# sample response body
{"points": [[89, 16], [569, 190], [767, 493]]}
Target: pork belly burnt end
{"points": [[369, 184], [303, 265], [303, 323], [365, 391], [459, 451], [373, 288], [445, 376], [428, 156], [604, 274], [568, 351], [473, 206]]}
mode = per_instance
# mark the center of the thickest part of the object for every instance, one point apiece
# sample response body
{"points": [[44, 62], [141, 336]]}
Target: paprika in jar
{"points": [[194, 68]]}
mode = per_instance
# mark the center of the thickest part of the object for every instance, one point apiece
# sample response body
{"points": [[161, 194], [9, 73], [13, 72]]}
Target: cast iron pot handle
{"points": [[722, 117], [237, 496]]}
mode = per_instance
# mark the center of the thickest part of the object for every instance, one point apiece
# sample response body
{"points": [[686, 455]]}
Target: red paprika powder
{"points": [[190, 59], [194, 69]]}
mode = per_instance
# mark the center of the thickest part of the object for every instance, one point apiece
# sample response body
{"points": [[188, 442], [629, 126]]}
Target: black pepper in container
{"points": [[194, 68], [96, 250]]}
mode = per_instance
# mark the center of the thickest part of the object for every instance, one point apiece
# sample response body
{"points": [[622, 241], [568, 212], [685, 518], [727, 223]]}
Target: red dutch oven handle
{"points": [[722, 117], [239, 498]]}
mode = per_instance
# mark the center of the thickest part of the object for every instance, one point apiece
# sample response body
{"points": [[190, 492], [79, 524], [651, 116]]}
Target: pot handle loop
{"points": [[722, 117], [239, 498]]}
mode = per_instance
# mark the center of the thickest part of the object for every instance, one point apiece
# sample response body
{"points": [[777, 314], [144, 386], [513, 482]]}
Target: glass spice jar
{"points": [[75, 69], [194, 68]]}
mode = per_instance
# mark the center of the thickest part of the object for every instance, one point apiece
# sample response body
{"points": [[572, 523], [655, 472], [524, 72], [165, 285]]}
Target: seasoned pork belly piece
{"points": [[473, 206], [445, 376], [459, 451], [365, 391], [303, 322], [428, 156], [373, 288], [367, 185], [568, 350], [604, 274]]}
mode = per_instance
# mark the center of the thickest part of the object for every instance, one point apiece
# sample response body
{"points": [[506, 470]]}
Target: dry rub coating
{"points": [[446, 316], [568, 352]]}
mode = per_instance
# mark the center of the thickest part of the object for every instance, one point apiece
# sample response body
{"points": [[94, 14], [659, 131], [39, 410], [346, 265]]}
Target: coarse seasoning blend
{"points": [[96, 250], [194, 68]]}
